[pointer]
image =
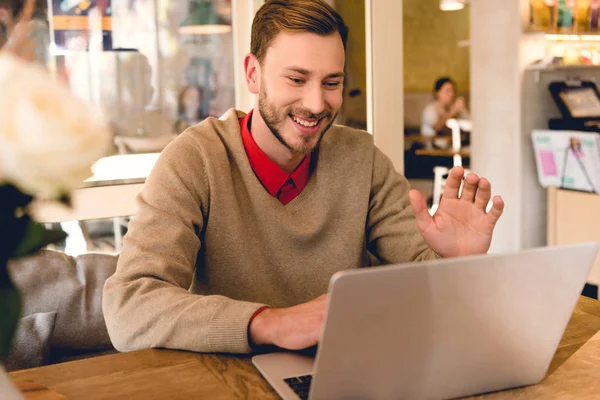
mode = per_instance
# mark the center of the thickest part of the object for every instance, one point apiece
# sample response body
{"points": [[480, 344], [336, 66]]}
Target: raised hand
{"points": [[461, 226], [458, 106]]}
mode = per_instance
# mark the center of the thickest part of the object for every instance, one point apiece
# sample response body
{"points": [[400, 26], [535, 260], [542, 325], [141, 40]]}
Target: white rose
{"points": [[48, 137]]}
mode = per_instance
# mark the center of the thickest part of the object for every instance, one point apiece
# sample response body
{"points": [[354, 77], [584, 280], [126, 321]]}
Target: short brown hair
{"points": [[314, 16]]}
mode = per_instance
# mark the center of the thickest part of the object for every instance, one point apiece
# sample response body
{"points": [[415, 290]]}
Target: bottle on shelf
{"points": [[581, 12], [550, 11], [565, 16], [540, 15], [593, 16]]}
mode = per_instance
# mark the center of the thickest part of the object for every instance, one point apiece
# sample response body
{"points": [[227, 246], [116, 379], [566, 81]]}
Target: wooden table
{"points": [[167, 374], [109, 192], [443, 152]]}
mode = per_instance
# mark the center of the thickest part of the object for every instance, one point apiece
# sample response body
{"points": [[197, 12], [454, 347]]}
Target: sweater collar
{"points": [[267, 171]]}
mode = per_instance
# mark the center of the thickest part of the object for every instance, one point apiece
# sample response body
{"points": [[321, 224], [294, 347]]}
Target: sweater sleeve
{"points": [[392, 232], [147, 302]]}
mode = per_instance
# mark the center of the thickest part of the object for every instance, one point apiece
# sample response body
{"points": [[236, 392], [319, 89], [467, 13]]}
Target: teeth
{"points": [[305, 123]]}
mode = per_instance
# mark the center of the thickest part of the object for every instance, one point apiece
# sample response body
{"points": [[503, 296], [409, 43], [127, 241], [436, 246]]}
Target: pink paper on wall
{"points": [[548, 163]]}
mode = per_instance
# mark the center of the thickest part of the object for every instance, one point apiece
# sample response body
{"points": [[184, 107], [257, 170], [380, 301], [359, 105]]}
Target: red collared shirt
{"points": [[279, 183]]}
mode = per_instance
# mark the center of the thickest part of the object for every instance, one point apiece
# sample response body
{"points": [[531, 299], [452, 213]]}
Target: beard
{"points": [[275, 122]]}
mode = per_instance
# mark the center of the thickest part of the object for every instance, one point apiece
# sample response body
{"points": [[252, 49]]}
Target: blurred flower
{"points": [[48, 137]]}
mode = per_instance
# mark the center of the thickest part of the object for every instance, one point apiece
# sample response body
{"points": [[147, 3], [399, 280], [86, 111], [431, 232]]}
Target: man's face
{"points": [[301, 85]]}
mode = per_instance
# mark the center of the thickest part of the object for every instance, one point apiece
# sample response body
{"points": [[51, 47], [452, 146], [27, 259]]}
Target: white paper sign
{"points": [[568, 159]]}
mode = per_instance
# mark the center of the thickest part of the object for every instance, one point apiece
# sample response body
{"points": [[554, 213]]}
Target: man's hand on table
{"points": [[292, 328]]}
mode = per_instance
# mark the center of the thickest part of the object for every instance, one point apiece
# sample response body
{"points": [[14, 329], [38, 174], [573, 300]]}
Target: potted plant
{"points": [[48, 141]]}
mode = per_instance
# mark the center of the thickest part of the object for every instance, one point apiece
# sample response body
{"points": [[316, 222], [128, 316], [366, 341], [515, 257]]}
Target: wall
{"points": [[496, 110], [431, 48], [384, 83], [500, 144], [374, 66], [354, 108]]}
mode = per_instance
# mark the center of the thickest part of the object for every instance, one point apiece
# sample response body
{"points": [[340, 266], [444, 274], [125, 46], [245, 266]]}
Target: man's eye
{"points": [[296, 81], [333, 85]]}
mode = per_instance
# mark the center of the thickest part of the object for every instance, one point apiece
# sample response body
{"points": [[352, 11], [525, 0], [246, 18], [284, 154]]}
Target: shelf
{"points": [[553, 35], [540, 68], [582, 37]]}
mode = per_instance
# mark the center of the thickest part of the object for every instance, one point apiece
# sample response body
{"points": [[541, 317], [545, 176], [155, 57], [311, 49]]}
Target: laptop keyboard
{"points": [[300, 385]]}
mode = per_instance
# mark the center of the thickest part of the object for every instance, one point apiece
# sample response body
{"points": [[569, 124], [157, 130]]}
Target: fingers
{"points": [[420, 209], [484, 194], [470, 188], [496, 210], [453, 183], [478, 190]]}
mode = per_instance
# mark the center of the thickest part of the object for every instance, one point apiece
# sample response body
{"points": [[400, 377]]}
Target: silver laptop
{"points": [[439, 329]]}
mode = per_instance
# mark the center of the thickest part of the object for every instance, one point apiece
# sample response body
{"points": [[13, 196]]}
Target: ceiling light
{"points": [[202, 20], [452, 5]]}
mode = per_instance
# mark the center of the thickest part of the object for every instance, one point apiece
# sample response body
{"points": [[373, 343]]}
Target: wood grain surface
{"points": [[168, 374]]}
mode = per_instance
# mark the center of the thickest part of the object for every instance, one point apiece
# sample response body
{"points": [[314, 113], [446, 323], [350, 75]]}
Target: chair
{"points": [[440, 175], [456, 126], [141, 144]]}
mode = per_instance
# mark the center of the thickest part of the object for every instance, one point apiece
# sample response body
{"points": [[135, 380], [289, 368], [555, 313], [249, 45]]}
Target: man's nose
{"points": [[314, 100]]}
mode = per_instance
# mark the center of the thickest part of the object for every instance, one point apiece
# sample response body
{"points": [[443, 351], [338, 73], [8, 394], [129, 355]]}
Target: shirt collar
{"points": [[268, 172]]}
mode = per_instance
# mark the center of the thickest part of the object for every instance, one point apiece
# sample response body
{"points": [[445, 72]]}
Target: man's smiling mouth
{"points": [[304, 122]]}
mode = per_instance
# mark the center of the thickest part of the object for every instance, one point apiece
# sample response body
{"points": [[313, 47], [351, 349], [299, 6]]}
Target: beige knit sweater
{"points": [[209, 245]]}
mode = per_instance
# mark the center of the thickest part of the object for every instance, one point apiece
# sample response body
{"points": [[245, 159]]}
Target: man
{"points": [[259, 210]]}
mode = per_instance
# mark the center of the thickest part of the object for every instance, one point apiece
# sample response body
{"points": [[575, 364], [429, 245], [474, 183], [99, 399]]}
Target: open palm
{"points": [[461, 226]]}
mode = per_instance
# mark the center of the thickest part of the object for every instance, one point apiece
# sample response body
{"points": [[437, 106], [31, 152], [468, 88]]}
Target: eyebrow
{"points": [[305, 72]]}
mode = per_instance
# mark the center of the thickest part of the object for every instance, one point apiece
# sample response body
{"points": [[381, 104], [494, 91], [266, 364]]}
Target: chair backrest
{"points": [[456, 126], [440, 175], [141, 144], [54, 282]]}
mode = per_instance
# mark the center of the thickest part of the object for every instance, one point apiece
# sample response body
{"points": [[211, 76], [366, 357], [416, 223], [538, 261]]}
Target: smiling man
{"points": [[244, 219]]}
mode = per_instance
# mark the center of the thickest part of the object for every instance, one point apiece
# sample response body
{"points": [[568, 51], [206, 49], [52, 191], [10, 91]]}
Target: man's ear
{"points": [[252, 69]]}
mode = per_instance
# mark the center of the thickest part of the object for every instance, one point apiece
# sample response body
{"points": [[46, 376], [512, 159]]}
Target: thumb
{"points": [[420, 209]]}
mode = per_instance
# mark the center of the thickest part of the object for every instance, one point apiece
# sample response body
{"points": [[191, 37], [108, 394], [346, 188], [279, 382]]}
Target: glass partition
{"points": [[156, 67]]}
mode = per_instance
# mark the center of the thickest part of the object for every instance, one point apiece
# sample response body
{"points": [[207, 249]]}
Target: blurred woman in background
{"points": [[190, 108], [445, 106]]}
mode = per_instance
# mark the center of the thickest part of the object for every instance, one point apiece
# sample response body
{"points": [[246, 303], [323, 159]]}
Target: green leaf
{"points": [[12, 198], [12, 231], [37, 236], [10, 310]]}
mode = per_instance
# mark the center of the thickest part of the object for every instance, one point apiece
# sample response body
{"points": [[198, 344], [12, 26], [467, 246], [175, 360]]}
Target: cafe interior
{"points": [[523, 110]]}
